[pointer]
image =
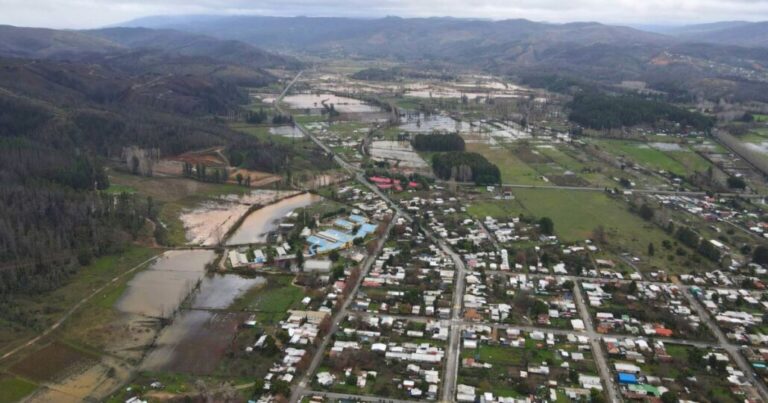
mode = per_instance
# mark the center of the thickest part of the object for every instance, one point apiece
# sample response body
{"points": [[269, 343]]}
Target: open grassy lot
{"points": [[513, 170], [577, 213], [13, 389], [272, 300], [681, 162]]}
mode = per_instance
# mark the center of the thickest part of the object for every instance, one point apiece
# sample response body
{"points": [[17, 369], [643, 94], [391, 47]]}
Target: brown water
{"points": [[197, 338], [341, 104], [258, 224], [208, 223], [220, 290], [160, 289]]}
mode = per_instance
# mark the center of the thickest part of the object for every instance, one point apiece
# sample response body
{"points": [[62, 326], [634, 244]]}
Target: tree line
{"points": [[438, 142], [601, 111], [465, 167]]}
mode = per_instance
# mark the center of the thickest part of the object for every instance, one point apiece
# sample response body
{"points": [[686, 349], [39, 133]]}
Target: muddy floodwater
{"points": [[208, 223], [197, 338], [219, 291], [261, 222], [341, 104], [159, 290]]}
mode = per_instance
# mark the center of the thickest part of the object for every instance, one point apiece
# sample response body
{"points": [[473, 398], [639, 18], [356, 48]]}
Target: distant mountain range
{"points": [[722, 60]]}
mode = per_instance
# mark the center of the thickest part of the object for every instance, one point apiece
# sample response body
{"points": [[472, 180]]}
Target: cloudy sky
{"points": [[95, 13]]}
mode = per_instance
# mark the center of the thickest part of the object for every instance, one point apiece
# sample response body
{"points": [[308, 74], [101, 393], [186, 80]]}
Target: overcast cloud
{"points": [[96, 13]]}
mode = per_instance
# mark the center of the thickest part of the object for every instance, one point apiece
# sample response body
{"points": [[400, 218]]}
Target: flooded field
{"points": [[505, 132], [220, 290], [207, 224], [260, 223], [759, 147], [316, 101], [286, 131], [471, 92], [158, 291], [434, 123], [667, 146], [196, 340], [399, 153], [194, 343]]}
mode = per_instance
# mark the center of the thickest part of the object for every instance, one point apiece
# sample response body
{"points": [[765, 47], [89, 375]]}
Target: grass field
{"points": [[118, 189], [576, 214], [271, 301], [13, 389], [513, 170], [683, 162]]}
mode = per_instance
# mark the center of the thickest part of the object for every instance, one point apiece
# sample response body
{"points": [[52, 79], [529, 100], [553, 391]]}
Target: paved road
{"points": [[454, 336], [597, 349], [457, 324], [458, 292], [306, 379], [732, 349]]}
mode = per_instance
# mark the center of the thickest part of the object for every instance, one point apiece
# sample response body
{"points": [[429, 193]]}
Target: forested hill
{"points": [[60, 121]]}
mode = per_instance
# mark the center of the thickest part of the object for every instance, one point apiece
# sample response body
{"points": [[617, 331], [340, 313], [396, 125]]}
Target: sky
{"points": [[98, 13]]}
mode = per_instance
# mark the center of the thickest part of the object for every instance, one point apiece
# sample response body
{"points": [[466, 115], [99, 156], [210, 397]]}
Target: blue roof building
{"points": [[626, 378]]}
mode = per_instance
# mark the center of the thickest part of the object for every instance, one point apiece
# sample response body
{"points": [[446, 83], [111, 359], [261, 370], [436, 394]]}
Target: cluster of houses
{"points": [[417, 362], [507, 230], [569, 352], [365, 202], [740, 313], [711, 209], [629, 357], [340, 141], [385, 183], [650, 296], [303, 328], [382, 290]]}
